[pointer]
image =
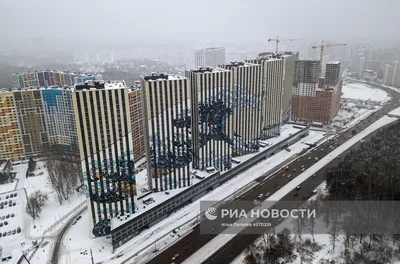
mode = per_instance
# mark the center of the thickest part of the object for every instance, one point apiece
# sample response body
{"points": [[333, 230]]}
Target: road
{"points": [[195, 240], [60, 236]]}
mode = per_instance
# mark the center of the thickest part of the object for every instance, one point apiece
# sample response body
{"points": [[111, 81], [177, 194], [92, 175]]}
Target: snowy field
{"points": [[359, 100], [144, 243], [31, 229], [361, 91]]}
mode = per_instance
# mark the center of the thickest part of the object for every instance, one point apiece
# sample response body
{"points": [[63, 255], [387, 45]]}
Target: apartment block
{"points": [[209, 57], [136, 113], [332, 73], [272, 70], [211, 116], [60, 119], [313, 100], [10, 136], [168, 143], [105, 146], [289, 60], [246, 99], [32, 121], [50, 78]]}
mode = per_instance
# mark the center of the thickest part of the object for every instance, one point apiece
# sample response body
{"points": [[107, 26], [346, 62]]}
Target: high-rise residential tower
{"points": [[289, 60], [135, 108], [332, 73], [10, 136], [60, 119], [30, 112], [211, 116], [209, 57], [313, 100], [246, 102], [105, 146], [272, 69], [167, 122], [50, 78]]}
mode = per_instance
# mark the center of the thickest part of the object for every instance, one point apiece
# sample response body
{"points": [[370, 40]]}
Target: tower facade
{"points": [[246, 100], [167, 122], [332, 73], [209, 57], [105, 146], [211, 114]]}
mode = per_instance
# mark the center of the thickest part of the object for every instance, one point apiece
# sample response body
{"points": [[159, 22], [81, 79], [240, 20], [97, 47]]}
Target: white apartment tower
{"points": [[166, 116], [209, 57], [103, 125], [272, 70]]}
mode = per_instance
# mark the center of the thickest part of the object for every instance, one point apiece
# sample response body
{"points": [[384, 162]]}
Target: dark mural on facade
{"points": [[111, 183]]}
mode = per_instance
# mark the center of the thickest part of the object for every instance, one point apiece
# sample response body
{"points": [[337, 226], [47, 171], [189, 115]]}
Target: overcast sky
{"points": [[198, 21]]}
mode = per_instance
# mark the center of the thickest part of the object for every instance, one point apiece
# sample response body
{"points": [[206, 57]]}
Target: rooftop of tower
{"points": [[238, 64], [156, 76], [208, 69], [333, 62], [96, 85]]}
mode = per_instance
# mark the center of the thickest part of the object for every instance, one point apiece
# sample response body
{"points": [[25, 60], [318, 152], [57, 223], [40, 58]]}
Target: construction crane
{"points": [[277, 40], [321, 55]]}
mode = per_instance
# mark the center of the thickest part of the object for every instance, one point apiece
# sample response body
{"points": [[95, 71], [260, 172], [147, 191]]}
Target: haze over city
{"points": [[181, 22]]}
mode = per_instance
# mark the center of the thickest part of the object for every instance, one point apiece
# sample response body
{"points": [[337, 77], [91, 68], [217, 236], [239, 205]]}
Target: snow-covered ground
{"points": [[359, 100], [32, 229], [361, 91], [161, 232], [220, 240]]}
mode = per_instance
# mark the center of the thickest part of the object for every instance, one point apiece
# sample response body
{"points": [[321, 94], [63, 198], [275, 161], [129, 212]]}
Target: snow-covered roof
{"points": [[159, 197]]}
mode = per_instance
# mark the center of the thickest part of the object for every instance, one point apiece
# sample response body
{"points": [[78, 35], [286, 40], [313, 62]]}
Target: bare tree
{"points": [[64, 173], [35, 203]]}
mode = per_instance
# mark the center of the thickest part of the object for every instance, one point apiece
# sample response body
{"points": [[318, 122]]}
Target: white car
{"points": [[175, 257], [303, 169]]}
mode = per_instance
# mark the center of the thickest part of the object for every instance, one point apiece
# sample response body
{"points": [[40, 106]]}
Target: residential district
{"points": [[99, 171]]}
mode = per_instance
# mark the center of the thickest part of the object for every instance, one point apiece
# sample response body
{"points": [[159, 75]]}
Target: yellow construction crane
{"points": [[321, 55], [277, 40]]}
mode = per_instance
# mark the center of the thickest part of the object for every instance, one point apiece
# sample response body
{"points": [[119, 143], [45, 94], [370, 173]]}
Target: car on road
{"points": [[289, 176], [260, 196], [298, 187], [315, 192], [338, 157], [267, 194], [309, 158], [322, 149], [314, 175], [316, 159], [294, 170], [303, 169], [302, 166], [175, 256], [278, 187]]}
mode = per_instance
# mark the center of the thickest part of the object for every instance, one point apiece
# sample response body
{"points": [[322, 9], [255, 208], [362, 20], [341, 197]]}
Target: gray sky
{"points": [[198, 21]]}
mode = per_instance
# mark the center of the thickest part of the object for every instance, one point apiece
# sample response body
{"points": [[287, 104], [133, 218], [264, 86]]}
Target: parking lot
{"points": [[11, 217]]}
